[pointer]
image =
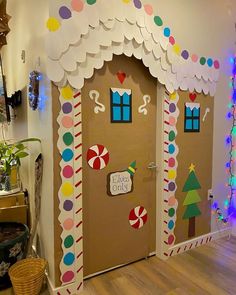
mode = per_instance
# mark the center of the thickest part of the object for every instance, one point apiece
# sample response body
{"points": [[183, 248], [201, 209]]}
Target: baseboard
{"points": [[199, 241], [74, 288]]}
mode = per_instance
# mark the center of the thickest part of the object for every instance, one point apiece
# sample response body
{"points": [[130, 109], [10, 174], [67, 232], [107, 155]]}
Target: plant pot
{"points": [[10, 184], [13, 240]]}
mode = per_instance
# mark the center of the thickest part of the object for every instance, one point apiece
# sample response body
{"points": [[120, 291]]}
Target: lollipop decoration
{"points": [[138, 217], [97, 157]]}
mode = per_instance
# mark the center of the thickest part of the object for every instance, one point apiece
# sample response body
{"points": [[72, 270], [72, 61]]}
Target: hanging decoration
{"points": [[97, 157], [192, 198], [94, 95], [230, 140], [138, 217], [142, 109], [121, 182], [34, 77]]}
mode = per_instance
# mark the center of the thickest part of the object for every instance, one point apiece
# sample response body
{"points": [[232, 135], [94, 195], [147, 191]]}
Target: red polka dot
{"points": [[171, 162], [216, 64], [68, 276], [171, 239], [172, 40], [68, 171]]}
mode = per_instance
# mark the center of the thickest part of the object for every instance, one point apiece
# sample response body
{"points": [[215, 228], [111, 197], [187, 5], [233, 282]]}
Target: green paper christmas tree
{"points": [[192, 198]]}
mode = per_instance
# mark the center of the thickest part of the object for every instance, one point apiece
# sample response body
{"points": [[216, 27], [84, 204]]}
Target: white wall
{"points": [[27, 33]]}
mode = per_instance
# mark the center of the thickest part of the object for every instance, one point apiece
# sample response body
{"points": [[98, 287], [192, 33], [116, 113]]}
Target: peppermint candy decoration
{"points": [[97, 157], [138, 217]]}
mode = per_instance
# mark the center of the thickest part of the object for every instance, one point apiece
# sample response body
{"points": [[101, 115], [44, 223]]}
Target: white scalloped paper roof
{"points": [[90, 37]]}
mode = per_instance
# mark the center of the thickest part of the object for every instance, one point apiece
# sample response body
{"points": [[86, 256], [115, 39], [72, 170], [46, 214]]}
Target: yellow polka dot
{"points": [[173, 96], [171, 174], [53, 24], [126, 1], [177, 49], [67, 189], [67, 92]]}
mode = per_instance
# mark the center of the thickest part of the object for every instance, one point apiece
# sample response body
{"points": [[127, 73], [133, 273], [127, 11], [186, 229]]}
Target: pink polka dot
{"points": [[194, 58], [67, 122], [148, 9], [172, 40], [172, 201], [67, 171], [171, 239], [68, 276], [68, 224], [172, 121], [77, 5], [216, 64], [171, 162]]}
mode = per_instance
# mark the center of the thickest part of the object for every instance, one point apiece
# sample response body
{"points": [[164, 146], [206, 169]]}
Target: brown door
{"points": [[119, 191]]}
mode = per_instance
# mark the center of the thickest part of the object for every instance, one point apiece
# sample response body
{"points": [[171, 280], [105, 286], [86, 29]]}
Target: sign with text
{"points": [[119, 183]]}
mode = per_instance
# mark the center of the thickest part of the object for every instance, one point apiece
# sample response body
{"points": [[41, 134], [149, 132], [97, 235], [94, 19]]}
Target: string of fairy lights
{"points": [[230, 165]]}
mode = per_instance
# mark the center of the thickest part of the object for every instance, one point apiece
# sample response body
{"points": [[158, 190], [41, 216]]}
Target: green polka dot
{"points": [[171, 212], [158, 21], [91, 2], [202, 61], [171, 136], [68, 138], [69, 241]]}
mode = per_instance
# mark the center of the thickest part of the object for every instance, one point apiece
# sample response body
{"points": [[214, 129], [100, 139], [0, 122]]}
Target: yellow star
{"points": [[191, 167]]}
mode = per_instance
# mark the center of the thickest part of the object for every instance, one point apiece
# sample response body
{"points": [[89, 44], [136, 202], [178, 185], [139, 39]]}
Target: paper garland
{"points": [[70, 203], [171, 113], [90, 34]]}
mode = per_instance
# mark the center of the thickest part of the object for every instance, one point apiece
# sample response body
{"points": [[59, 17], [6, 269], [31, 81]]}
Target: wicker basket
{"points": [[27, 276]]}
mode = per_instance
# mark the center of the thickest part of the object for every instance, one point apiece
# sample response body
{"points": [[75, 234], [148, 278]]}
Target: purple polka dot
{"points": [[68, 205], [171, 186], [67, 108], [185, 54], [64, 12], [137, 4], [172, 107]]}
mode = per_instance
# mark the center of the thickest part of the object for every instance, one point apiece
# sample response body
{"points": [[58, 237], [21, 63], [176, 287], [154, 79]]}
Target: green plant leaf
{"points": [[20, 146], [22, 154], [29, 140]]}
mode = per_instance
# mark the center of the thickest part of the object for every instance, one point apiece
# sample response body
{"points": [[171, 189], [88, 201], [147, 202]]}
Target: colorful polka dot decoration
{"points": [[171, 113], [65, 12], [66, 192]]}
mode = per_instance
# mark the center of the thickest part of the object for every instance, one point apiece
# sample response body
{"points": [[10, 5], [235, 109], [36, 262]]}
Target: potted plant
{"points": [[10, 161]]}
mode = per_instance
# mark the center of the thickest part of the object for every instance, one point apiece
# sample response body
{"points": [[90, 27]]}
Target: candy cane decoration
{"points": [[94, 95], [142, 108], [206, 111], [138, 217], [97, 157]]}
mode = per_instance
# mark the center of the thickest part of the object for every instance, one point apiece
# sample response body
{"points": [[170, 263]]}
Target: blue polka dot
{"points": [[210, 62], [171, 224], [67, 155], [69, 258], [171, 148], [166, 32]]}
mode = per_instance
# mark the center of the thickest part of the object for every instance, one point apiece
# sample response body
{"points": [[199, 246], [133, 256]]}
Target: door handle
{"points": [[152, 165]]}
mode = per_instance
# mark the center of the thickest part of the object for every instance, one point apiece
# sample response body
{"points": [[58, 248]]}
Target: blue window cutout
{"points": [[121, 106], [192, 119]]}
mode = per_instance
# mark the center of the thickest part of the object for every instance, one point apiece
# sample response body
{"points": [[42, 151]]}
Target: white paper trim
{"points": [[192, 105], [121, 91]]}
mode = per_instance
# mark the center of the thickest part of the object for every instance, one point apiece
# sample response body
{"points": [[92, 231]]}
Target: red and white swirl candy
{"points": [[138, 217], [97, 157]]}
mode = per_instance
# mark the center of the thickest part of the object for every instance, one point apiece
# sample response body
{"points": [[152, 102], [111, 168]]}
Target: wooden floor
{"points": [[205, 270], [209, 269]]}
